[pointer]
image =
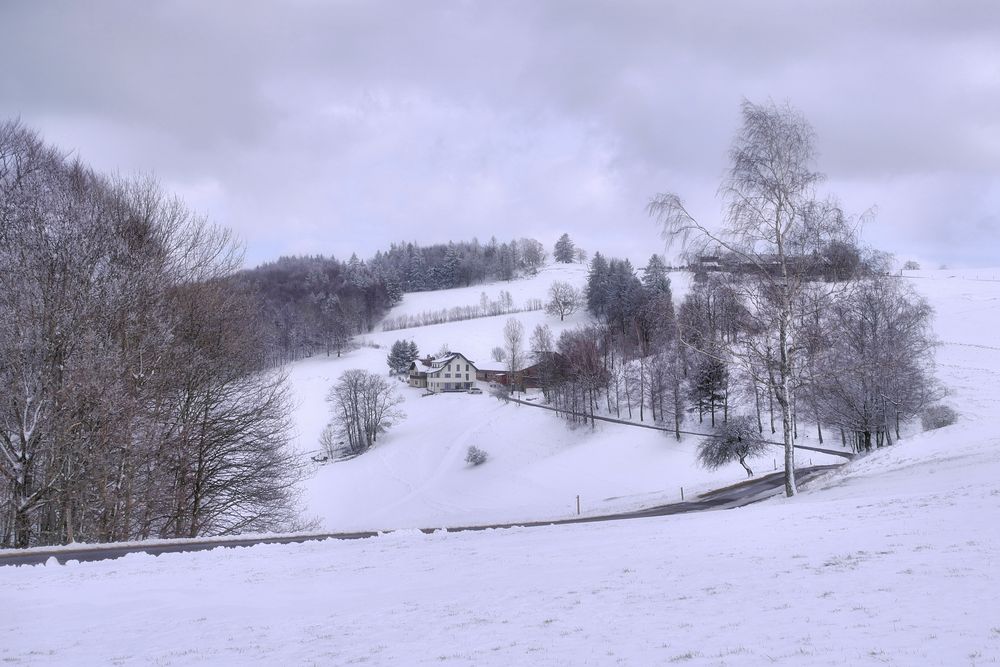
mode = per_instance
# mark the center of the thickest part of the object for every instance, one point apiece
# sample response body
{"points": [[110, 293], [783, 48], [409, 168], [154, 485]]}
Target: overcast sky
{"points": [[332, 127]]}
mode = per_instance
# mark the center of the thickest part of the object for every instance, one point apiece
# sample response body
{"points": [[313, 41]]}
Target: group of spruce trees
{"points": [[620, 361], [863, 365]]}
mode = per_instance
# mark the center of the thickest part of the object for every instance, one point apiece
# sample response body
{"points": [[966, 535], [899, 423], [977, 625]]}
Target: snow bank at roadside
{"points": [[890, 560]]}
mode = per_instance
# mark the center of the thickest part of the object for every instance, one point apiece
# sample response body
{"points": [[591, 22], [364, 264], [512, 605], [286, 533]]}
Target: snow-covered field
{"points": [[892, 559], [417, 476]]}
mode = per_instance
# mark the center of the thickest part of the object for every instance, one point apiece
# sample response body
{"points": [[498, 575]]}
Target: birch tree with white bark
{"points": [[774, 221]]}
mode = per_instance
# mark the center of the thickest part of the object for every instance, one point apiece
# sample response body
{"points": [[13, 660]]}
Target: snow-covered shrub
{"points": [[476, 456], [500, 392], [936, 416], [735, 440]]}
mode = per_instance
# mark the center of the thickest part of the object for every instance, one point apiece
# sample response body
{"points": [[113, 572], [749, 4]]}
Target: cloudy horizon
{"points": [[342, 127]]}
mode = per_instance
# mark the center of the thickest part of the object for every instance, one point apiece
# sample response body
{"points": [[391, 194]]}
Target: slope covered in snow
{"points": [[417, 476], [889, 560]]}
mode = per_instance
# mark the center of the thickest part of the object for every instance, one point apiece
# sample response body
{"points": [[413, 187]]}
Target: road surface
{"points": [[843, 453], [737, 495]]}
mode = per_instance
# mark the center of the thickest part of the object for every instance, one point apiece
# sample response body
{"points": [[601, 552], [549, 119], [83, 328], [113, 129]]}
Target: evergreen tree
{"points": [[654, 275], [623, 295], [657, 316], [416, 273], [564, 250], [450, 268], [401, 355], [597, 286]]}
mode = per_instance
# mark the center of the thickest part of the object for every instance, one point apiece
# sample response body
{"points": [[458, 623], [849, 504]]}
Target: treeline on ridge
{"points": [[316, 304]]}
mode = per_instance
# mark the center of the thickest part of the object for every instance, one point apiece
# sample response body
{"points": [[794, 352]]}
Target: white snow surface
{"points": [[890, 560], [416, 477]]}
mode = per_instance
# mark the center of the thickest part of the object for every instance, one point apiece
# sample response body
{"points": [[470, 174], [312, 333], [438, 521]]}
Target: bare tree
{"points": [[564, 299], [134, 403], [877, 370], [364, 405], [541, 340], [513, 346], [581, 376], [531, 254], [542, 346], [773, 224]]}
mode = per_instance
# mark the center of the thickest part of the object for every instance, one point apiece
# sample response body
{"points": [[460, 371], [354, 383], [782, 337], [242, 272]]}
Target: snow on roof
{"points": [[439, 363]]}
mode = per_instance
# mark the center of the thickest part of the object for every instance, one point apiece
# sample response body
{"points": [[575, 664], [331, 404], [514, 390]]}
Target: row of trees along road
{"points": [[135, 400], [785, 324]]}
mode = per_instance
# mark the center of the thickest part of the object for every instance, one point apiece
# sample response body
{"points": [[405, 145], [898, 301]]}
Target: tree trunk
{"points": [[770, 404], [756, 399], [642, 388], [784, 402]]}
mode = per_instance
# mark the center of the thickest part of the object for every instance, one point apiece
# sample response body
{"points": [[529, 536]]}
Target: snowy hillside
{"points": [[890, 560], [417, 475]]}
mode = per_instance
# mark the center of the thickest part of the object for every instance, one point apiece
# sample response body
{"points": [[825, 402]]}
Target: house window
{"points": [[466, 376], [467, 367], [447, 375]]}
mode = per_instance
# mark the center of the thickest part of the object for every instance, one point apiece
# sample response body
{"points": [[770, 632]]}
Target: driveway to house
{"points": [[737, 495]]}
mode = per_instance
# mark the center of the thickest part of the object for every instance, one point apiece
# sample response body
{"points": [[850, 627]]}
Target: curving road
{"points": [[842, 453], [737, 495]]}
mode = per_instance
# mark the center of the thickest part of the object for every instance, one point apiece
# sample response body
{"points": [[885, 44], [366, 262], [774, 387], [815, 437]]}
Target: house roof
{"points": [[441, 361], [438, 365]]}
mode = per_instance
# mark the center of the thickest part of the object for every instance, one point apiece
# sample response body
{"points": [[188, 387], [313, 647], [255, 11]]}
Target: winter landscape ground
{"points": [[890, 560], [417, 477]]}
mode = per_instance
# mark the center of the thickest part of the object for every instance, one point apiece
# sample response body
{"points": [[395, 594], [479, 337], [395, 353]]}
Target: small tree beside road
{"points": [[736, 440]]}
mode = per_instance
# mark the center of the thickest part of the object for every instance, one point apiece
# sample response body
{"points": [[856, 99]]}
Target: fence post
{"points": [[578, 505], [682, 493]]}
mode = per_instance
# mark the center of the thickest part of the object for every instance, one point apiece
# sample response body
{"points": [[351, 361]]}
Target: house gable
{"points": [[453, 372]]}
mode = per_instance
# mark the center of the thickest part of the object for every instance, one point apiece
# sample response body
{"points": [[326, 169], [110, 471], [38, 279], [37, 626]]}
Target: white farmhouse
{"points": [[452, 372]]}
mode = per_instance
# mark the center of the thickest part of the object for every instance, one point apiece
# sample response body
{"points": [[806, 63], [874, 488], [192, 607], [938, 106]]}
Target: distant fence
{"points": [[458, 313]]}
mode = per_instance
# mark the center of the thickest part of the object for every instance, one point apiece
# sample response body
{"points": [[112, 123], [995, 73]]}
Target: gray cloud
{"points": [[339, 127]]}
